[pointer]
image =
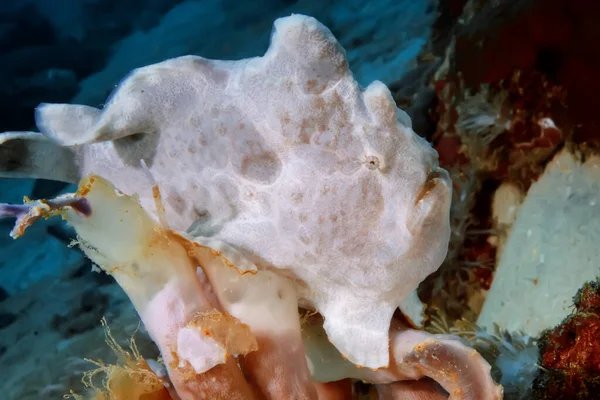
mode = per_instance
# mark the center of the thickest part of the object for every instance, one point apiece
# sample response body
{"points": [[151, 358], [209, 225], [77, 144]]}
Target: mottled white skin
{"points": [[287, 159], [414, 355]]}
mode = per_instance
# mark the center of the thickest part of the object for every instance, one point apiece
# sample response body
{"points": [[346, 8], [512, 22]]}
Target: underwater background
{"points": [[506, 92]]}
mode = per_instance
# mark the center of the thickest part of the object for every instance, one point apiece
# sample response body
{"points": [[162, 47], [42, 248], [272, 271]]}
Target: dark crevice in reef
{"points": [[3, 294], [92, 307], [86, 271], [7, 319]]}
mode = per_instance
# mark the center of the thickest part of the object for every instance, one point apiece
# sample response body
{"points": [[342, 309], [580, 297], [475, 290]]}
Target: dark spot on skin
{"points": [[279, 294], [263, 168], [176, 202], [22, 156], [140, 146], [202, 140], [297, 197], [200, 213], [305, 239], [135, 267], [311, 86], [286, 119], [13, 155]]}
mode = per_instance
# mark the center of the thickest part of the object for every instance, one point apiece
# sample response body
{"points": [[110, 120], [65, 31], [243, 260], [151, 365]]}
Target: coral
{"points": [[482, 117], [505, 130], [284, 158], [547, 38], [569, 352]]}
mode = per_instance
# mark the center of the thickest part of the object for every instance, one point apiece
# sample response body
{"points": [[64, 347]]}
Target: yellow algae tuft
{"points": [[131, 378]]}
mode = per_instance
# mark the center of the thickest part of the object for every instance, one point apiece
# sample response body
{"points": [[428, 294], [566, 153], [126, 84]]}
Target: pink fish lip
{"points": [[439, 174], [435, 177]]}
